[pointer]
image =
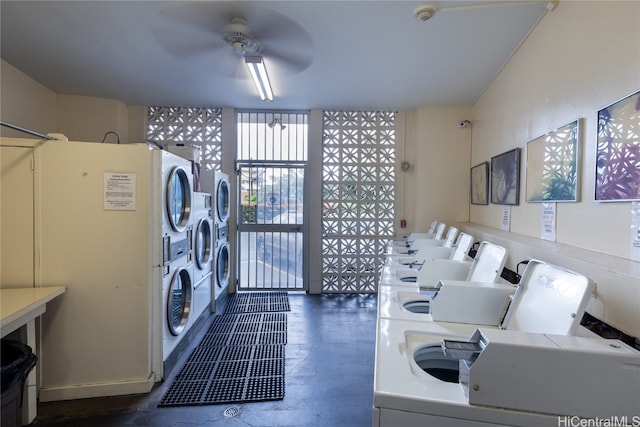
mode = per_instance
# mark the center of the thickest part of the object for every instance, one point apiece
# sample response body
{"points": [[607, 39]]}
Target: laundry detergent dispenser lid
{"points": [[488, 263], [549, 300]]}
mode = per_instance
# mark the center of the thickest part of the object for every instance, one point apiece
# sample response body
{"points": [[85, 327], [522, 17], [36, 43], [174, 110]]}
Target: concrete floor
{"points": [[329, 364]]}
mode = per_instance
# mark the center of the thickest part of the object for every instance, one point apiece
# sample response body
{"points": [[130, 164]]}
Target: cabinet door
{"points": [[16, 217]]}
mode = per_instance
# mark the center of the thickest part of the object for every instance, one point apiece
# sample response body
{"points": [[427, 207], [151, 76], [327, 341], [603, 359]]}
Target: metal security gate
{"points": [[272, 227], [271, 169]]}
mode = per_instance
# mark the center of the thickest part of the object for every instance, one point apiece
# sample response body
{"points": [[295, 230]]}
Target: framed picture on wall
{"points": [[480, 184], [618, 151], [552, 166], [505, 178]]}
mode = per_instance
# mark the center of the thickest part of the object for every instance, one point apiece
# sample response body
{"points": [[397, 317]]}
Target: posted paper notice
{"points": [[119, 191], [548, 221]]}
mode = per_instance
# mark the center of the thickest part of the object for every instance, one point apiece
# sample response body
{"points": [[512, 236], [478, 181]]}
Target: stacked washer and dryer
{"points": [[177, 251], [222, 251], [217, 183], [189, 280], [203, 246]]}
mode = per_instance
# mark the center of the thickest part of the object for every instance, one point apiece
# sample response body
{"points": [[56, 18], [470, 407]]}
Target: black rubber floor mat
{"points": [[239, 359], [246, 329], [255, 302], [254, 373]]}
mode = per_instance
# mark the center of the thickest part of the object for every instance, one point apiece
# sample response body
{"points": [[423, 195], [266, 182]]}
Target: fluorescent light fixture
{"points": [[260, 77]]}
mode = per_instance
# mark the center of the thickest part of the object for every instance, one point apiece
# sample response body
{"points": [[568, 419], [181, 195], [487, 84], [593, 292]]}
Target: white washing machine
{"points": [[413, 384], [203, 246], [222, 211], [520, 379], [202, 236], [177, 250], [416, 384], [564, 294]]}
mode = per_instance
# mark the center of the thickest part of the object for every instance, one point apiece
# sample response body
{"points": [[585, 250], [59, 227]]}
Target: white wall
{"points": [[581, 57]]}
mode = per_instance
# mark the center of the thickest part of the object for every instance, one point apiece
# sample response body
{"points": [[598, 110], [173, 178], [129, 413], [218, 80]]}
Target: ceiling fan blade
{"points": [[193, 31], [182, 44], [287, 63], [285, 42], [198, 16]]}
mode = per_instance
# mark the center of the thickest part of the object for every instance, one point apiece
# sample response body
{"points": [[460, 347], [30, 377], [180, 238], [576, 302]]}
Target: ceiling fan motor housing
{"points": [[238, 36]]}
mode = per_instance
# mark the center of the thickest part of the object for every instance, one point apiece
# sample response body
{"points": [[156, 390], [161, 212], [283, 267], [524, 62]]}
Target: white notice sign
{"points": [[506, 217], [119, 191], [634, 252], [548, 221]]}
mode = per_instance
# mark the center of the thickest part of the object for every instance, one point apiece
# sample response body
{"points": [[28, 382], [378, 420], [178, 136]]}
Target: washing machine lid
{"points": [[488, 263], [549, 299], [462, 247]]}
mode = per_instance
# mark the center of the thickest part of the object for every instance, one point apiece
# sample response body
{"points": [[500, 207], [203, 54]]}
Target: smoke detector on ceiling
{"points": [[424, 12]]}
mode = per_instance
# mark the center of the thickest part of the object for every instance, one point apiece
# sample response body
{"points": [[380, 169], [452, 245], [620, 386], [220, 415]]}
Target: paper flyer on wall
{"points": [[634, 250], [506, 217], [548, 221]]}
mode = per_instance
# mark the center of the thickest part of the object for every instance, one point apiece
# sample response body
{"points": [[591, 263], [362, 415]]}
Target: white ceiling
{"points": [[320, 54]]}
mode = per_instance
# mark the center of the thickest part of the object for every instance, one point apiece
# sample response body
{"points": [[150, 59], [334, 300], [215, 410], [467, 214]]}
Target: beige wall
{"points": [[84, 118], [25, 102], [437, 184], [580, 58]]}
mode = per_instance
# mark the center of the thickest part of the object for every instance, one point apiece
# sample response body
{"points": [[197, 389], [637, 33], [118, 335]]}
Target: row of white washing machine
{"points": [[195, 259], [504, 356]]}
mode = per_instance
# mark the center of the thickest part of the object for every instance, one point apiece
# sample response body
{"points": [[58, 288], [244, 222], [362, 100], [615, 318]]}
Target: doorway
{"points": [[271, 168]]}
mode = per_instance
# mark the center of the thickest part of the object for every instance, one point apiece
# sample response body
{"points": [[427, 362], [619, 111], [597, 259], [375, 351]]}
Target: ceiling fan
{"points": [[427, 11], [224, 38]]}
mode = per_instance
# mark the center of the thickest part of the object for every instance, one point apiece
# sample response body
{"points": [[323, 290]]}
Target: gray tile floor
{"points": [[328, 378]]}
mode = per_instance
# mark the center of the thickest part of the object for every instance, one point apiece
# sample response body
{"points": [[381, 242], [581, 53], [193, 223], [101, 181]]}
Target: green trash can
{"points": [[17, 361]]}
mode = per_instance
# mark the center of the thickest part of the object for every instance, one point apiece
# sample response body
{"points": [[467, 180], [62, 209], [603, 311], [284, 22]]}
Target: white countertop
{"points": [[19, 305]]}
